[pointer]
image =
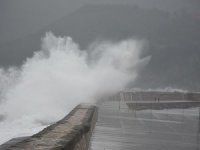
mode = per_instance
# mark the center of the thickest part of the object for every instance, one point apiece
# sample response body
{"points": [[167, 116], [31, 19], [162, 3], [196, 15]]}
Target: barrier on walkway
{"points": [[162, 105]]}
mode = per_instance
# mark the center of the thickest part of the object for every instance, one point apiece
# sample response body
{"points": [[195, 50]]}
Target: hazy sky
{"points": [[22, 17], [173, 37]]}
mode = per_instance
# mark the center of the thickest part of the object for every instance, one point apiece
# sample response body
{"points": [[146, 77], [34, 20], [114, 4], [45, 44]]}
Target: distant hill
{"points": [[174, 40], [22, 17]]}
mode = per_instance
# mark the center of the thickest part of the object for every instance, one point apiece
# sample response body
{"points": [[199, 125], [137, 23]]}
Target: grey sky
{"points": [[172, 33], [22, 17]]}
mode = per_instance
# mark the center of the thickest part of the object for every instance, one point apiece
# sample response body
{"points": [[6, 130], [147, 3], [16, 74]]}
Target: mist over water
{"points": [[60, 76]]}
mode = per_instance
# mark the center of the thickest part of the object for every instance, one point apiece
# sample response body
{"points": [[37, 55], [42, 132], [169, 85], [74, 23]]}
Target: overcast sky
{"points": [[173, 37], [22, 17]]}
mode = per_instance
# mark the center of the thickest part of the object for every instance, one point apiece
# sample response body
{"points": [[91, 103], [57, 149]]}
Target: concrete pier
{"points": [[148, 121], [71, 133], [128, 120], [124, 129]]}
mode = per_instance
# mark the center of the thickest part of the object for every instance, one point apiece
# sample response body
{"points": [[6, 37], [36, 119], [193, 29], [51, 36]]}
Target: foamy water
{"points": [[60, 76]]}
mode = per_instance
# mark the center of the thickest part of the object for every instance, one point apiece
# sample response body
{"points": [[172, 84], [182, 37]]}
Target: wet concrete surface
{"points": [[119, 128], [12, 142], [71, 132]]}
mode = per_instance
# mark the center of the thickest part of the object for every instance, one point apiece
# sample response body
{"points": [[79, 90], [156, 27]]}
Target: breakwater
{"points": [[162, 105], [73, 132], [157, 95]]}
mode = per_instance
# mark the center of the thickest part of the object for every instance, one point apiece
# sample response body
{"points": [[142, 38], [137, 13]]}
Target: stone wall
{"points": [[153, 95], [163, 105], [71, 133], [193, 96]]}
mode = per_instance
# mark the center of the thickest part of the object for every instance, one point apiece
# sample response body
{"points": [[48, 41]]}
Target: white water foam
{"points": [[60, 76]]}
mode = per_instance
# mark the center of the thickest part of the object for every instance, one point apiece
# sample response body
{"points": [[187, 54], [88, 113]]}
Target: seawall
{"points": [[139, 100], [162, 105], [153, 95], [73, 132]]}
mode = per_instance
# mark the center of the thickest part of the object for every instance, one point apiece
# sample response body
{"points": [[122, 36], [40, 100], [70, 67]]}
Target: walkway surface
{"points": [[176, 129]]}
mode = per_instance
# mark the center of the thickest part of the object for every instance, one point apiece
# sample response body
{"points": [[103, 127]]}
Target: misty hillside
{"points": [[174, 40], [22, 17]]}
